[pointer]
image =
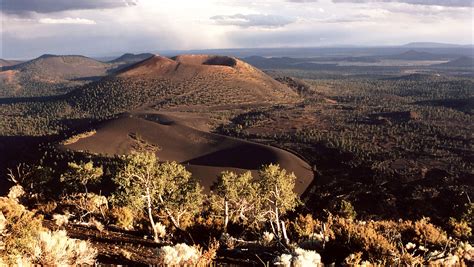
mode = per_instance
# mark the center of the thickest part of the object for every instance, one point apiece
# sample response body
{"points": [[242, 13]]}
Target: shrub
{"points": [[345, 209], [468, 214], [267, 238], [178, 255], [160, 229], [427, 233], [16, 192], [56, 248], [82, 174], [365, 238], [299, 258], [87, 204], [20, 231], [207, 256], [460, 229], [305, 226], [123, 217], [147, 185], [24, 241], [61, 219]]}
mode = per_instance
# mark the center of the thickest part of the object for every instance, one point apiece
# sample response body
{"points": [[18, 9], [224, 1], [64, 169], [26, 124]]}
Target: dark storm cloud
{"points": [[254, 20], [447, 3], [22, 7]]}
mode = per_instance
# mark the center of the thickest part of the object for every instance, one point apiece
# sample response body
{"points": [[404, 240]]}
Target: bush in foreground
{"points": [[24, 241]]}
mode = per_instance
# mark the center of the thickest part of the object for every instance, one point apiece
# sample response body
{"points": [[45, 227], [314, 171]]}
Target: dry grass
{"points": [[73, 139], [57, 249], [123, 217], [24, 241]]}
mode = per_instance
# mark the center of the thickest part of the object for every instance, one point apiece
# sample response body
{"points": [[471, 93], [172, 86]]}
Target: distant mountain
{"points": [[274, 62], [7, 63], [459, 62], [431, 45], [417, 55], [132, 58], [49, 75], [63, 67]]}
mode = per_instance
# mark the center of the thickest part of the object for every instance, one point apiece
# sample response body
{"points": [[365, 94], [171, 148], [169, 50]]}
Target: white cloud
{"points": [[151, 25], [26, 7], [253, 20], [449, 3], [66, 21]]}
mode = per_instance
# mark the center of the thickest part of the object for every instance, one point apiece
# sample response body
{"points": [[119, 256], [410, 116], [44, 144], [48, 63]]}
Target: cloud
{"points": [[302, 1], [23, 7], [345, 19], [253, 20], [447, 3], [66, 21]]}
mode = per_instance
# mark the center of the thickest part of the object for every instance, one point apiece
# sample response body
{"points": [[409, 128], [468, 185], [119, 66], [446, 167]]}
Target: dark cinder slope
{"points": [[181, 138], [130, 58]]}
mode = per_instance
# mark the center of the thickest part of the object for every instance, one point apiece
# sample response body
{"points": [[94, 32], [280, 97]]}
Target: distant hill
{"points": [[416, 55], [431, 45], [49, 75], [63, 67], [132, 58], [273, 62], [187, 80], [464, 62], [416, 77], [7, 63]]}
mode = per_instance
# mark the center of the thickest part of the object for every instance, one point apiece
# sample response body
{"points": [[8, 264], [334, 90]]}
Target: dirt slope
{"points": [[50, 75], [186, 81], [63, 67], [181, 138], [213, 72]]}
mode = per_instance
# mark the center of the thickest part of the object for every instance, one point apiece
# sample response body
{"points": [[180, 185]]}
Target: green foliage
{"points": [[277, 189], [123, 217], [181, 195], [82, 174], [252, 201], [167, 188], [241, 194], [34, 179], [305, 226], [468, 214], [345, 209], [460, 229], [20, 231], [24, 241], [135, 178]]}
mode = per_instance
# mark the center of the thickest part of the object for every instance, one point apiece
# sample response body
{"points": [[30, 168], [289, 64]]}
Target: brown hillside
{"points": [[181, 137], [220, 76], [50, 75], [63, 67], [7, 63]]}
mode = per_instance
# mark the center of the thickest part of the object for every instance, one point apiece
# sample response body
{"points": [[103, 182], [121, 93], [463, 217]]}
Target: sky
{"points": [[109, 27]]}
